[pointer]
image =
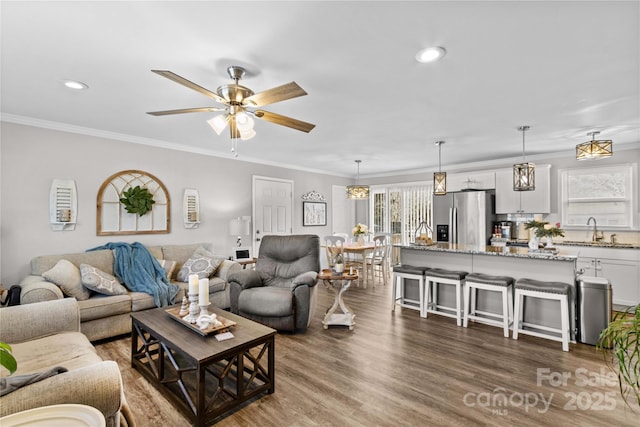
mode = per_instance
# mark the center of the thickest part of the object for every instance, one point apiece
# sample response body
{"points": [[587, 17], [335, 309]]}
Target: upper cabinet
{"points": [[471, 181], [535, 202]]}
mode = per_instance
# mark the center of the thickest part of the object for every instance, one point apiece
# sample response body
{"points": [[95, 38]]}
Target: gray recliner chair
{"points": [[281, 291]]}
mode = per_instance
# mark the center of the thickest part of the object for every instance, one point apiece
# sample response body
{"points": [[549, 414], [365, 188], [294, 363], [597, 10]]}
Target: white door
{"points": [[272, 206]]}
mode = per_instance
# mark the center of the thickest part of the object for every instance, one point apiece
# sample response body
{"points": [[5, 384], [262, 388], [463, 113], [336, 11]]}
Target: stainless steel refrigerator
{"points": [[464, 217]]}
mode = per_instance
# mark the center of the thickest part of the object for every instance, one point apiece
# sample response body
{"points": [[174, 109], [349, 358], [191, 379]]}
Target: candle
{"points": [[203, 298], [193, 283]]}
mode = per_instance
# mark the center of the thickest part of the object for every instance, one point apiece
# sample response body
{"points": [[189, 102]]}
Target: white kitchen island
{"points": [[515, 262]]}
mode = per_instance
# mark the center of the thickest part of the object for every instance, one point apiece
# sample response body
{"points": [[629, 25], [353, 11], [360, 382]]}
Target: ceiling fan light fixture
{"points": [[246, 135], [524, 174], [218, 123], [358, 192], [431, 54], [244, 122], [594, 149]]}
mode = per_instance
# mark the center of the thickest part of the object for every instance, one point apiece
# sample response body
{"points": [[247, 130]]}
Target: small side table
{"points": [[244, 262], [339, 283]]}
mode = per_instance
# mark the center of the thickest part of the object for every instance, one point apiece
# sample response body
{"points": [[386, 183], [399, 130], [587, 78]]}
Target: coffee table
{"points": [[203, 377]]}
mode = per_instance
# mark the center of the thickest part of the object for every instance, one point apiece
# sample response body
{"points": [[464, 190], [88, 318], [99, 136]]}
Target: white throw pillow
{"points": [[101, 282], [67, 276]]}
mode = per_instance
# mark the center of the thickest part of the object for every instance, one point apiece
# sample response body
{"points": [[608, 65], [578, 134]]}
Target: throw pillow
{"points": [[67, 276], [168, 266], [101, 282], [203, 266]]}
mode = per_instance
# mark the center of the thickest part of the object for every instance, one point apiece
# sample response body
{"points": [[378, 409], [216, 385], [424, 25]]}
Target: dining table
{"points": [[361, 251]]}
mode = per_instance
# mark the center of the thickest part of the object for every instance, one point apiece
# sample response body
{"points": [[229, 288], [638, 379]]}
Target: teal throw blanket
{"points": [[139, 271]]}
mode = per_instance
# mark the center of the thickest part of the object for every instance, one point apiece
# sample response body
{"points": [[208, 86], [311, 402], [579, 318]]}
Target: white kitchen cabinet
{"points": [[620, 266], [471, 180], [537, 201]]}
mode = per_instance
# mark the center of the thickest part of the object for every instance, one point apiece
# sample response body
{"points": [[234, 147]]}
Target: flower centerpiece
{"points": [[543, 229], [359, 231]]}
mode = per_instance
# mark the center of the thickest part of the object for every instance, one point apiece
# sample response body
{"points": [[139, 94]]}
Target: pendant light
{"points": [[439, 178], [593, 149], [524, 174], [358, 192]]}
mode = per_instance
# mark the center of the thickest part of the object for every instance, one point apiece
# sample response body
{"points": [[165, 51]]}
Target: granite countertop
{"points": [[599, 244], [508, 251]]}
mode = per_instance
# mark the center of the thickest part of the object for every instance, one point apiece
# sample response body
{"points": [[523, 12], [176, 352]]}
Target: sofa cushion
{"points": [[169, 266], [141, 301], [67, 276], [101, 282], [71, 350], [203, 266], [267, 301], [181, 253], [102, 259], [101, 306]]}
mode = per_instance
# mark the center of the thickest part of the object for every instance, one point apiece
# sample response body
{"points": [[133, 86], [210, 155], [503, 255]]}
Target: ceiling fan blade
{"points": [[276, 94], [185, 110], [284, 120], [191, 85]]}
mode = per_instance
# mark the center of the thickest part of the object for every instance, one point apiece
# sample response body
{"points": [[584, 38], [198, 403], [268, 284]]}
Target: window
{"points": [[605, 193], [399, 209]]}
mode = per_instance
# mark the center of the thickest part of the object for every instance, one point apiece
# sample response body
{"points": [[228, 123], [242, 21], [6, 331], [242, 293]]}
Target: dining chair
{"points": [[333, 246], [378, 260]]}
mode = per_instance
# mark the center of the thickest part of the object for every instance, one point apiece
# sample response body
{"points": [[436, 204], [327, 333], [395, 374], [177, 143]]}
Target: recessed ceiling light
{"points": [[72, 84], [431, 54]]}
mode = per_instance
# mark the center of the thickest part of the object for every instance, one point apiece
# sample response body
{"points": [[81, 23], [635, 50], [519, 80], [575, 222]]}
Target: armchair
{"points": [[47, 334], [281, 291]]}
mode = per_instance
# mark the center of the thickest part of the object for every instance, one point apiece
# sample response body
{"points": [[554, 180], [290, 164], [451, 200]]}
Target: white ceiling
{"points": [[563, 68]]}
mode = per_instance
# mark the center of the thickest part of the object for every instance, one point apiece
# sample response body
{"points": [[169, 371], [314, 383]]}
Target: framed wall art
{"points": [[314, 214]]}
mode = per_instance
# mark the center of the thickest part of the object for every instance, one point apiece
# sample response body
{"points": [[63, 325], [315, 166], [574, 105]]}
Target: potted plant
{"points": [[541, 230], [620, 344], [6, 358], [358, 232]]}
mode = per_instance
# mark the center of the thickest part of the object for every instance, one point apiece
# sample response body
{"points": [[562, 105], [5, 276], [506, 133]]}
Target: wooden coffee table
{"points": [[203, 377]]}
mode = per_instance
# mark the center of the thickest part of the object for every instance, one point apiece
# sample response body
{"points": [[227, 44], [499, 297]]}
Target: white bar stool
{"points": [[400, 273], [435, 276], [502, 284], [557, 291]]}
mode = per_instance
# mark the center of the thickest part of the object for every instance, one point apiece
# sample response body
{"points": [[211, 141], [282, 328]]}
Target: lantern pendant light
{"points": [[358, 192], [439, 178], [594, 149], [524, 174]]}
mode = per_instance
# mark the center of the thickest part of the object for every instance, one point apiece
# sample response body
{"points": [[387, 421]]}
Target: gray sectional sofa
{"points": [[105, 316]]}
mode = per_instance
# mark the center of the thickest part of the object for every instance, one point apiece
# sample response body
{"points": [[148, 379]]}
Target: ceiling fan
{"points": [[239, 104]]}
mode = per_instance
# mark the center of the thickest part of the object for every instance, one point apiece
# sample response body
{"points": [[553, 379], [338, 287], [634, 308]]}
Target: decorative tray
{"points": [[226, 323]]}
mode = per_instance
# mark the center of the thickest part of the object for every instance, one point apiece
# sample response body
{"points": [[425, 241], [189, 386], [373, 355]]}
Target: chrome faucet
{"points": [[595, 237]]}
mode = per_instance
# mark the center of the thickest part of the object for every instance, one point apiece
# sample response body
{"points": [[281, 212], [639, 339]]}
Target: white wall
{"points": [[31, 157]]}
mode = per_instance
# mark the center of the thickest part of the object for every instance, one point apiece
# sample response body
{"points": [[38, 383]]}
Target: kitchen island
{"points": [[516, 262]]}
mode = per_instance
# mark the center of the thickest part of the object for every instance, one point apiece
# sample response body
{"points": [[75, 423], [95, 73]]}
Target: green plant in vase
{"points": [[6, 358], [541, 230], [620, 344]]}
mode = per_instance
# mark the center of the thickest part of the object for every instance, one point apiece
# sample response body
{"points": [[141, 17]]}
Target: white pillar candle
{"points": [[203, 297], [193, 283]]}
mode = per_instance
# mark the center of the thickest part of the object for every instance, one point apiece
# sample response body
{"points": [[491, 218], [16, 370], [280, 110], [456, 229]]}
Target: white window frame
{"points": [[630, 199]]}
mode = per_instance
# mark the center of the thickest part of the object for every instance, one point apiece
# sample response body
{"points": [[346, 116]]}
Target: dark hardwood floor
{"points": [[397, 369]]}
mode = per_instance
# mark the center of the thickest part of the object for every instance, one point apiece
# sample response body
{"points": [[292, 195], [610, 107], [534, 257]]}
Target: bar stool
{"points": [[557, 291], [502, 284], [400, 273], [435, 276]]}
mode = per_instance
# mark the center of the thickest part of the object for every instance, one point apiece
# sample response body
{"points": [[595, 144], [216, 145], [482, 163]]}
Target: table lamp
{"points": [[239, 227]]}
